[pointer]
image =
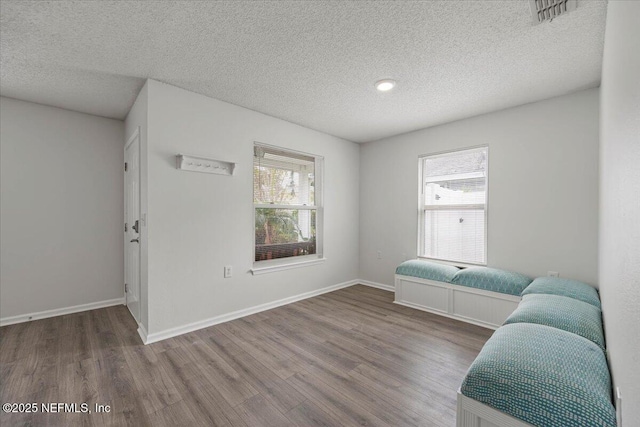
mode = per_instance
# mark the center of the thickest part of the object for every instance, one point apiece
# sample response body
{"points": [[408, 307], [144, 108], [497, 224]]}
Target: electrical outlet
{"points": [[553, 274], [228, 271]]}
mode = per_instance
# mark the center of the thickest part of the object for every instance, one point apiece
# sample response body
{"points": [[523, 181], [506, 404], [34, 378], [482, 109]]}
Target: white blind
{"points": [[282, 178], [453, 214]]}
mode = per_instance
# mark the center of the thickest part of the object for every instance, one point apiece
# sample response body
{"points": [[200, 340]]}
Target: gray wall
{"points": [[543, 188], [198, 223], [61, 210], [620, 201]]}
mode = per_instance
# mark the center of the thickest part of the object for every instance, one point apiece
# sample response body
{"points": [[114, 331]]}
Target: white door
{"points": [[132, 224]]}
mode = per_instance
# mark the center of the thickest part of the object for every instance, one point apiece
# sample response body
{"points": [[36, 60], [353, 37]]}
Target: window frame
{"points": [[267, 266], [422, 210]]}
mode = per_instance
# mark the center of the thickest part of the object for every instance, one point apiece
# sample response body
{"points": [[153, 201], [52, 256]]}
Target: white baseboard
{"points": [[173, 332], [59, 311], [389, 288], [142, 331]]}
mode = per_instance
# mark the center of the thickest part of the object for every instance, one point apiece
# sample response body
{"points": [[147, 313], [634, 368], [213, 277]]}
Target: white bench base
{"points": [[471, 413], [477, 306]]}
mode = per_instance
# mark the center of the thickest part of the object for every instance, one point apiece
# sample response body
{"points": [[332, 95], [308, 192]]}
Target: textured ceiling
{"points": [[312, 63]]}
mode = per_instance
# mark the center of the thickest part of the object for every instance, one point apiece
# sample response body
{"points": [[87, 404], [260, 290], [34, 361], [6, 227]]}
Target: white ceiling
{"points": [[311, 63]]}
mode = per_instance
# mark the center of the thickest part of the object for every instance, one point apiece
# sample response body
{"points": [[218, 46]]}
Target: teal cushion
{"points": [[543, 376], [427, 270], [560, 312], [564, 287], [492, 279]]}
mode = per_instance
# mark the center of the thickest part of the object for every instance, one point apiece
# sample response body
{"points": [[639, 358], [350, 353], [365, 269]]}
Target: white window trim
{"points": [[271, 266], [274, 206], [422, 208]]}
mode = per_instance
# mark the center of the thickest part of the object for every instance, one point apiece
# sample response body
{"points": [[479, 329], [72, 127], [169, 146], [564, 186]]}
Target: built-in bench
{"points": [[545, 367], [479, 295]]}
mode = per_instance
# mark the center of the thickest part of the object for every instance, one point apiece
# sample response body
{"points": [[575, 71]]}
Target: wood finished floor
{"points": [[349, 357]]}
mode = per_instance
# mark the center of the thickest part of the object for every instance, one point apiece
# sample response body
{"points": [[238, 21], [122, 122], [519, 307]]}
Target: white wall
{"points": [[61, 209], [543, 188], [198, 223], [620, 201]]}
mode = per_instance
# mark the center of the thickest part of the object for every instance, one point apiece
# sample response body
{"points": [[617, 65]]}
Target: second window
{"points": [[453, 206]]}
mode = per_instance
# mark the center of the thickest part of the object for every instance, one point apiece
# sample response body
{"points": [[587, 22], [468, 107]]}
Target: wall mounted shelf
{"points": [[201, 164]]}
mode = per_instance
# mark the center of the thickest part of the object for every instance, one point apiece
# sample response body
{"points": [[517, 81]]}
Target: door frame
{"points": [[130, 140]]}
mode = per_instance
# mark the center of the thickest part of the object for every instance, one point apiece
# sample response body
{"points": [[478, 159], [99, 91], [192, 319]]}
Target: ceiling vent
{"points": [[547, 10]]}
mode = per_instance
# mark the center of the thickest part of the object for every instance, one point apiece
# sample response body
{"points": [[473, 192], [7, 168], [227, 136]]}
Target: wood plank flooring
{"points": [[346, 358]]}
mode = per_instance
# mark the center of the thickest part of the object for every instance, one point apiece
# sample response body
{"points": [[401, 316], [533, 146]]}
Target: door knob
{"points": [[135, 240]]}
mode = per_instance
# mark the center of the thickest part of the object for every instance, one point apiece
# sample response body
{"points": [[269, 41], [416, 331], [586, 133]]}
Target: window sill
{"points": [[285, 266]]}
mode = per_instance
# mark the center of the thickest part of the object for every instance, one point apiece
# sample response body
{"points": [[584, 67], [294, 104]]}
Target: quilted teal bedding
{"points": [[544, 376], [427, 270], [488, 279], [492, 279], [564, 287], [561, 312]]}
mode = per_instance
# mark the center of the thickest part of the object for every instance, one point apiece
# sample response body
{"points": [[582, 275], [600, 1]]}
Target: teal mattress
{"points": [[544, 376], [427, 270], [560, 312], [492, 279], [564, 287]]}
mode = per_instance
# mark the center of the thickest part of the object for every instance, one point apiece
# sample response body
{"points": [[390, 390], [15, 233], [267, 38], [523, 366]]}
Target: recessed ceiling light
{"points": [[385, 85]]}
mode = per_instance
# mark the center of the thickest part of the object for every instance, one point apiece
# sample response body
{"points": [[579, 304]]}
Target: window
{"points": [[453, 206], [287, 204]]}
